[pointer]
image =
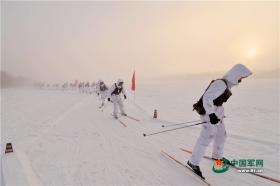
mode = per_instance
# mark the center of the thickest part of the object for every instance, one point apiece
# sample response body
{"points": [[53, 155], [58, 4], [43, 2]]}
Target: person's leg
{"points": [[102, 103], [120, 101], [103, 98], [206, 136], [115, 102], [219, 141]]}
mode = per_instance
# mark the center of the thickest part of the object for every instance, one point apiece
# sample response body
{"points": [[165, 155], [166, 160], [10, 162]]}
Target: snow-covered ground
{"points": [[62, 138]]}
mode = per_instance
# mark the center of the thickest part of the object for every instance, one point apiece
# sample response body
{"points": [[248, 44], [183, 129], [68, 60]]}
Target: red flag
{"points": [[133, 82]]}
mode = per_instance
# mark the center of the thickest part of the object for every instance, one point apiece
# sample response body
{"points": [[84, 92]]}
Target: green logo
{"points": [[243, 165], [220, 166]]}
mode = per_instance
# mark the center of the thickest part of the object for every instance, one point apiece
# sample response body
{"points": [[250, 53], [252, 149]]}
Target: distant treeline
{"points": [[8, 80]]}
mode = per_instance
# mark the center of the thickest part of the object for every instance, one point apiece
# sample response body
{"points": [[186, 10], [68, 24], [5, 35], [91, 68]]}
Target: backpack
{"points": [[103, 87], [117, 90], [198, 106]]}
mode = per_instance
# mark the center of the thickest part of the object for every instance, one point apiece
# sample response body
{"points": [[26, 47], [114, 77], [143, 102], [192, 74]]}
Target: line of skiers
{"points": [[105, 93], [86, 87], [82, 87], [209, 107], [113, 94]]}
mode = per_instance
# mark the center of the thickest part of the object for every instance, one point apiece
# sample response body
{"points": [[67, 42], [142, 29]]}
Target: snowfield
{"points": [[62, 137]]}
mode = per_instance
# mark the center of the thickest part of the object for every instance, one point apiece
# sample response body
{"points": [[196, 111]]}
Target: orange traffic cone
{"points": [[9, 148], [155, 113]]}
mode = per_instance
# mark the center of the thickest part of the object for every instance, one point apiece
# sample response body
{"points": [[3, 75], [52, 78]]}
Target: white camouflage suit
{"points": [[103, 93], [117, 98], [216, 132]]}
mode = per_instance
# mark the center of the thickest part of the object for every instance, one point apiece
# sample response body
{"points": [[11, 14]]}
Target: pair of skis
{"points": [[133, 118], [127, 116], [102, 107], [209, 158]]}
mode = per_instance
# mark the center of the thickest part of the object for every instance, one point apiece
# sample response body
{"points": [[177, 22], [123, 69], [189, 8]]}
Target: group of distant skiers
{"points": [[114, 95]]}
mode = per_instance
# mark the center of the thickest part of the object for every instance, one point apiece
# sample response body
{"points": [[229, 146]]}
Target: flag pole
{"points": [[133, 85], [134, 95]]}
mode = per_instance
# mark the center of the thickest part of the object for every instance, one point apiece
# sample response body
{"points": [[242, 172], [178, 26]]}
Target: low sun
{"points": [[252, 52]]}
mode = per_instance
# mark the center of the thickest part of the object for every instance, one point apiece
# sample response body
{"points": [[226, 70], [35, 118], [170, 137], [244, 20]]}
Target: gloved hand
{"points": [[98, 94], [124, 96], [109, 99], [214, 119]]}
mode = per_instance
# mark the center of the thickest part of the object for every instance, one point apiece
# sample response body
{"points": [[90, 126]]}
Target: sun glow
{"points": [[252, 52]]}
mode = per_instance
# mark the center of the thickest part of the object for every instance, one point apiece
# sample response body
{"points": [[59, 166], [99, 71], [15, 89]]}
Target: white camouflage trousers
{"points": [[118, 104], [103, 96], [209, 133]]}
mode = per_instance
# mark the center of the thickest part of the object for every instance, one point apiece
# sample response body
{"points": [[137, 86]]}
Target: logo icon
{"points": [[220, 166]]}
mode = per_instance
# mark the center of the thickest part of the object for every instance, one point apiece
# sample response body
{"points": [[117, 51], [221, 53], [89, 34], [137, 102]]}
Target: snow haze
{"points": [[57, 41]]}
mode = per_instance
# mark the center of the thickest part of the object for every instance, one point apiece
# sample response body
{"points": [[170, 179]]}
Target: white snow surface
{"points": [[62, 137]]}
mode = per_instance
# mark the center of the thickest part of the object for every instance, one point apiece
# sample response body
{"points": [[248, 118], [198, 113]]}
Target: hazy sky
{"points": [[90, 40]]}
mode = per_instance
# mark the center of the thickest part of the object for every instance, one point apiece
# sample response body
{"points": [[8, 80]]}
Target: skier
{"points": [[86, 88], [81, 87], [115, 97], [102, 91], [93, 88], [211, 110]]}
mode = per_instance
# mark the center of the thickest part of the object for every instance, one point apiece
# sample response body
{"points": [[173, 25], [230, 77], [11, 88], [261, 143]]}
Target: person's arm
{"points": [[109, 94], [124, 92], [98, 89]]}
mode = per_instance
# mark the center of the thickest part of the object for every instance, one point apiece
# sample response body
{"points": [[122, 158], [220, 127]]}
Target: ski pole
{"points": [[171, 125], [105, 105], [173, 129], [182, 123]]}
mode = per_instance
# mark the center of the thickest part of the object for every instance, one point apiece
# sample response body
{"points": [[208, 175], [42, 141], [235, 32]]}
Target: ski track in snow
{"points": [[263, 142], [31, 176], [52, 123]]}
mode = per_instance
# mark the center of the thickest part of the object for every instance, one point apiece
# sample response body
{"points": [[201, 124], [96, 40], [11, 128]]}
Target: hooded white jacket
{"points": [[111, 90], [218, 87], [103, 93]]}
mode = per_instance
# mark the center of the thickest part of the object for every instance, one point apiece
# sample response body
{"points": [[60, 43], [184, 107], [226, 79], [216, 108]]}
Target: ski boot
{"points": [[101, 106], [196, 169], [123, 114]]}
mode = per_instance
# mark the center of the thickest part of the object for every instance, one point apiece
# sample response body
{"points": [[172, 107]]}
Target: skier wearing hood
{"points": [[102, 91], [211, 110], [115, 97]]}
